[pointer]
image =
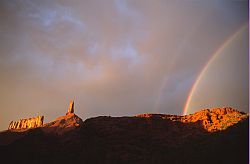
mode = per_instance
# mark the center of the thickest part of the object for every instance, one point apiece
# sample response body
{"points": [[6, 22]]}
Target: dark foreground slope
{"points": [[208, 136]]}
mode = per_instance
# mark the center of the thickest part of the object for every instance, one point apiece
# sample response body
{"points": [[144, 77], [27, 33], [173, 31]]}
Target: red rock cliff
{"points": [[26, 123]]}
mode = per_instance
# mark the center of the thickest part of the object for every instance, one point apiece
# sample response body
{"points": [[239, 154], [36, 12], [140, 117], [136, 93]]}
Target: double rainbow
{"points": [[203, 71]]}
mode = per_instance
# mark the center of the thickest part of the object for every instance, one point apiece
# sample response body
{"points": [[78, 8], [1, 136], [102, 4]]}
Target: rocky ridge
{"points": [[63, 124], [217, 135], [212, 120]]}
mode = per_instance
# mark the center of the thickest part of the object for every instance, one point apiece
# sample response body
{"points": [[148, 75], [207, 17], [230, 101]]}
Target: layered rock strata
{"points": [[212, 120], [27, 123]]}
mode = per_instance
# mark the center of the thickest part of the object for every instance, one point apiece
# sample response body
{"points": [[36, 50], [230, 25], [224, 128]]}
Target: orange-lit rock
{"points": [[144, 139], [26, 123], [211, 119], [216, 119], [63, 124], [71, 108]]}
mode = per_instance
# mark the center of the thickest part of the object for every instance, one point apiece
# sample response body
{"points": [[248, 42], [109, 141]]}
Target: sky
{"points": [[119, 57], [228, 66]]}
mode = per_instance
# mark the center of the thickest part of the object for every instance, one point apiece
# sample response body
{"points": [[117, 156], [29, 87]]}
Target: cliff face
{"points": [[26, 123], [142, 139], [216, 119], [211, 120]]}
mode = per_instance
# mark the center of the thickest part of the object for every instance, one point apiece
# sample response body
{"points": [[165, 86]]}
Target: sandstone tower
{"points": [[71, 107]]}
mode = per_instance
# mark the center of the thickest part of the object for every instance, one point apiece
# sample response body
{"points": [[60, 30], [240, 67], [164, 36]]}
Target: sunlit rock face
{"points": [[216, 119], [212, 120], [26, 123], [63, 124], [71, 108]]}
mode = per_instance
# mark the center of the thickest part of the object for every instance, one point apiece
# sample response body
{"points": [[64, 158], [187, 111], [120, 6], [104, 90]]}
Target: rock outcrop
{"points": [[65, 123], [26, 123], [71, 108], [216, 119], [144, 139], [212, 120]]}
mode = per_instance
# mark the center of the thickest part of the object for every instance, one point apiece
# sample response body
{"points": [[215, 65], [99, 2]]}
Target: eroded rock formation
{"points": [[144, 139], [27, 123], [71, 108], [212, 120], [216, 119]]}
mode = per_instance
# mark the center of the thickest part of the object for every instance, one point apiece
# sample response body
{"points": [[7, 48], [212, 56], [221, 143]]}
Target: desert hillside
{"points": [[209, 136]]}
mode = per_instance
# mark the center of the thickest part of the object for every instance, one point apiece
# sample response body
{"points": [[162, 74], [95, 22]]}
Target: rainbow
{"points": [[214, 55]]}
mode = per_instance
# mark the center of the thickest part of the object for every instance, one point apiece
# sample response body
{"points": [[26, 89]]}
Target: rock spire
{"points": [[71, 107]]}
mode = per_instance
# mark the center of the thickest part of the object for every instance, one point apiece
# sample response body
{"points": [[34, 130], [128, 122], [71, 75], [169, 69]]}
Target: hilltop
{"points": [[217, 135]]}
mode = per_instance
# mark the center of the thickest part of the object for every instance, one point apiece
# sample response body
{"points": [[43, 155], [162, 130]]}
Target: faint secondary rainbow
{"points": [[215, 54]]}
